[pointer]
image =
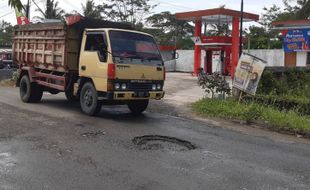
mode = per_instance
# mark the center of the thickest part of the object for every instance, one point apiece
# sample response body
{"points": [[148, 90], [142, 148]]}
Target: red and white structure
{"points": [[229, 45]]}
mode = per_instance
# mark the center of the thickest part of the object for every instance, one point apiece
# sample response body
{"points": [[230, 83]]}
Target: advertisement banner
{"points": [[296, 40], [248, 73]]}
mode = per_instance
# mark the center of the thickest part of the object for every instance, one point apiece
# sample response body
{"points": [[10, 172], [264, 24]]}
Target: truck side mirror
{"points": [[176, 55]]}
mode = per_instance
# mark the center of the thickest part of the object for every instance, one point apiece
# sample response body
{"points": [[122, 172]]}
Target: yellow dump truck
{"points": [[96, 62]]}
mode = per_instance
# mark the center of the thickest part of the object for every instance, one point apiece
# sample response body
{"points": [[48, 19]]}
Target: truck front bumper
{"points": [[131, 95]]}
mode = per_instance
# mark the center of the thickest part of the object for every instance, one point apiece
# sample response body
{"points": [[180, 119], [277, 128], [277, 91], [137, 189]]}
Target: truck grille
{"points": [[139, 86]]}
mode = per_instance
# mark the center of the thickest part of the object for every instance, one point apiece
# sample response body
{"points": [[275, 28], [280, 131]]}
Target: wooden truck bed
{"points": [[50, 46]]}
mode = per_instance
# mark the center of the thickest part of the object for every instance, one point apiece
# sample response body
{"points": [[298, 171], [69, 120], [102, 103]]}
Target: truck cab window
{"points": [[97, 42]]}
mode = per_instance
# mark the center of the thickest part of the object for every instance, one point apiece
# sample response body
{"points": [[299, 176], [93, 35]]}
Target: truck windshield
{"points": [[134, 48]]}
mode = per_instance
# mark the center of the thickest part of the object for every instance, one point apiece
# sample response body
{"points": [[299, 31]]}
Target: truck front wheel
{"points": [[29, 92], [70, 96], [138, 106], [89, 100]]}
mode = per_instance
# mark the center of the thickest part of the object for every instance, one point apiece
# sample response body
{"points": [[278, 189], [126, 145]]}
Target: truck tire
{"points": [[138, 106], [89, 102], [29, 92]]}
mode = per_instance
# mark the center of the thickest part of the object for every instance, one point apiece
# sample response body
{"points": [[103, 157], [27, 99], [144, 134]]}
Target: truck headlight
{"points": [[158, 86], [154, 87], [124, 86], [117, 86]]}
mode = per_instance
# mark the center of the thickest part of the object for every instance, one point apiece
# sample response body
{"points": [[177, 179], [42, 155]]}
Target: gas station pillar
{"points": [[197, 54], [235, 44]]}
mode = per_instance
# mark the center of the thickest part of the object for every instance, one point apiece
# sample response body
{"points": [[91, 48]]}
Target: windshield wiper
{"points": [[128, 56]]}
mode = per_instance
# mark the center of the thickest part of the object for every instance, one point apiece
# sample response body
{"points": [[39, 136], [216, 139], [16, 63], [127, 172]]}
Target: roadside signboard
{"points": [[296, 40], [248, 73]]}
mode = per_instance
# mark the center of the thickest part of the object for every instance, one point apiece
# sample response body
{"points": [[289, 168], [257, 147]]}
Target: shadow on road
{"points": [[116, 112]]}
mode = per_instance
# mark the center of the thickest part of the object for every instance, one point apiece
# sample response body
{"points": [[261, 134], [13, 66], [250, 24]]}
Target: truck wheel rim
{"points": [[88, 98]]}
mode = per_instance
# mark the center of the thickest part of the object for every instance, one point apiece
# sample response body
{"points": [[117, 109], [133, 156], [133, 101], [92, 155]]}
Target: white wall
{"points": [[185, 62], [274, 57], [169, 65], [301, 59]]}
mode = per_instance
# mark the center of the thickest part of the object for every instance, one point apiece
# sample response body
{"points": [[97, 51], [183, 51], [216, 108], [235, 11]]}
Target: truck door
{"points": [[93, 59]]}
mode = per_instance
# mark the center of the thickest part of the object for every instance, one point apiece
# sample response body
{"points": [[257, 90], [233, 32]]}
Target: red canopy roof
{"points": [[292, 24], [221, 15]]}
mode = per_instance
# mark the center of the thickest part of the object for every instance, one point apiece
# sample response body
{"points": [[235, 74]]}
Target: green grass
{"points": [[229, 109]]}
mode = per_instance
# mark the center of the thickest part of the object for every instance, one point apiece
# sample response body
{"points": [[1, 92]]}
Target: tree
{"points": [[133, 11], [294, 10], [6, 30], [91, 10], [261, 38], [270, 15], [171, 31], [304, 11], [52, 11], [219, 30], [16, 4]]}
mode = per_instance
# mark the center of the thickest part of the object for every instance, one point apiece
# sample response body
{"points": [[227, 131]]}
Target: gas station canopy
{"points": [[215, 16], [227, 44]]}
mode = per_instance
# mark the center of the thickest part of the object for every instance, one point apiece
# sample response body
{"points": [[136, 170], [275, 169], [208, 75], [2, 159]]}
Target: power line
{"points": [[69, 3], [4, 6], [174, 5], [6, 14]]}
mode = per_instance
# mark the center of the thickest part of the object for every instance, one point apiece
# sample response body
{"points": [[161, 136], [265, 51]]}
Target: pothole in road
{"points": [[158, 142], [93, 134]]}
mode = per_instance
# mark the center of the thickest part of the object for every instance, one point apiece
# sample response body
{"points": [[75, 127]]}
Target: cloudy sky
{"points": [[254, 6]]}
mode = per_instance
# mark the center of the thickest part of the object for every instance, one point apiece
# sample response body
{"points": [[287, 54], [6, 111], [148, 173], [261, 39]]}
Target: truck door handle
{"points": [[83, 67]]}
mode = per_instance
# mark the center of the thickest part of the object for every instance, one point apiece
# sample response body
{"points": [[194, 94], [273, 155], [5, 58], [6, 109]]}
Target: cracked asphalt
{"points": [[52, 145]]}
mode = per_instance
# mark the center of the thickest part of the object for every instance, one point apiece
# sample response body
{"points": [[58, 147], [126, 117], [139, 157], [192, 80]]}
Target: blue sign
{"points": [[296, 40]]}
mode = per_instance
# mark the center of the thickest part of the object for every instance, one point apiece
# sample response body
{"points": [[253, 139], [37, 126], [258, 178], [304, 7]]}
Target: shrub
{"points": [[290, 81], [285, 89], [214, 83], [15, 75]]}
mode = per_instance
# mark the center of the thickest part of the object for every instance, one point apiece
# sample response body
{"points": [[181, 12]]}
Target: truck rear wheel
{"points": [[89, 100], [138, 106], [29, 92]]}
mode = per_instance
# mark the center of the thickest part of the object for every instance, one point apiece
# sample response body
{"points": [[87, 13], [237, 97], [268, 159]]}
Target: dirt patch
{"points": [[7, 83]]}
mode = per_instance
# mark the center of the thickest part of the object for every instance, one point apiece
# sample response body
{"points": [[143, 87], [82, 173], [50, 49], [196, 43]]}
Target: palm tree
{"points": [[52, 11], [16, 4], [91, 10]]}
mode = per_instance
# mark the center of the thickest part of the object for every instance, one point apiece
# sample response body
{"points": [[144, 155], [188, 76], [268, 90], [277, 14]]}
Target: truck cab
{"points": [[118, 66]]}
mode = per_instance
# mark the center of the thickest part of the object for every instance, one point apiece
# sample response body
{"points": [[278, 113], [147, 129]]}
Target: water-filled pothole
{"points": [[158, 142]]}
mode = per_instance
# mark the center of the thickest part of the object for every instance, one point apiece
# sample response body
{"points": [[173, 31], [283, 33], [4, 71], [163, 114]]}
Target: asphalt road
{"points": [[51, 145]]}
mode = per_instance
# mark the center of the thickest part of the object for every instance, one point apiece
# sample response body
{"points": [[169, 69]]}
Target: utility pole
{"points": [[241, 29], [28, 9], [132, 16]]}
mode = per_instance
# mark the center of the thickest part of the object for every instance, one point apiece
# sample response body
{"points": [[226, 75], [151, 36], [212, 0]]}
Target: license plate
{"points": [[141, 94]]}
